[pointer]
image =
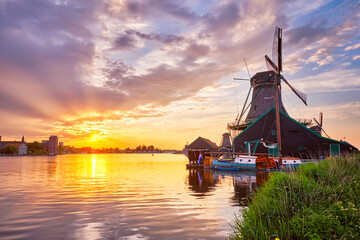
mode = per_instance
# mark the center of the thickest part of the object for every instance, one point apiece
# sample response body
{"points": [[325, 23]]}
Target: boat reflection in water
{"points": [[204, 182]]}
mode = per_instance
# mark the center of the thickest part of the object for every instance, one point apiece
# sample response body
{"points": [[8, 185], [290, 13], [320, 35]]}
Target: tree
{"points": [[36, 148], [60, 149], [9, 150]]}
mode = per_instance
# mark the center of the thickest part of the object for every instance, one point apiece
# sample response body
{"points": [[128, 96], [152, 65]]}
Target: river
{"points": [[118, 196]]}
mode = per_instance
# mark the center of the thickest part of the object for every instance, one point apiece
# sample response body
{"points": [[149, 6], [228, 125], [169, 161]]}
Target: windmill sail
{"points": [[277, 48], [320, 125], [271, 66], [298, 93]]}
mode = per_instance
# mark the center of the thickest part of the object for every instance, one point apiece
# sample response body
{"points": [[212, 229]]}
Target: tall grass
{"points": [[318, 201]]}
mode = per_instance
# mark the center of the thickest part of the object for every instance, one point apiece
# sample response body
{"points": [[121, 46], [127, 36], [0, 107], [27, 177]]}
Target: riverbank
{"points": [[318, 201]]}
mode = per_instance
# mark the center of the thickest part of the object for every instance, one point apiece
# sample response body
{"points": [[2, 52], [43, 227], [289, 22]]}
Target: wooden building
{"points": [[297, 139], [200, 145]]}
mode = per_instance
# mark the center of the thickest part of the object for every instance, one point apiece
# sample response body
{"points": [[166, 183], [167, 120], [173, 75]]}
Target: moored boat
{"points": [[248, 162]]}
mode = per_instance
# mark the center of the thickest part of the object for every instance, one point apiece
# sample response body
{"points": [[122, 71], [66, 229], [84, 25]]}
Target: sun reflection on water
{"points": [[117, 195]]}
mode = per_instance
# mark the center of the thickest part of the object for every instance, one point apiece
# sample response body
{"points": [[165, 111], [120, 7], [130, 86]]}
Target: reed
{"points": [[318, 201]]}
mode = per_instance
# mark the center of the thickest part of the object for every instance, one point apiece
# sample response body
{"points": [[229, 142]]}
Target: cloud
{"points": [[77, 63], [125, 41], [130, 38], [147, 9], [352, 47], [334, 80]]}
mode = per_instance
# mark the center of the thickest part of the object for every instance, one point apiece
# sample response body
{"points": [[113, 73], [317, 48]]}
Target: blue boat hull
{"points": [[230, 166]]}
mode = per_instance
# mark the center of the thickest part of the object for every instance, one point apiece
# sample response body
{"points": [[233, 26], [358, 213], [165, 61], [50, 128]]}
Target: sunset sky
{"points": [[123, 73]]}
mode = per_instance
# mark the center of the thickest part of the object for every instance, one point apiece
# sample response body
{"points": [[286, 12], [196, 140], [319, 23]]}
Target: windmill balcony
{"points": [[240, 125]]}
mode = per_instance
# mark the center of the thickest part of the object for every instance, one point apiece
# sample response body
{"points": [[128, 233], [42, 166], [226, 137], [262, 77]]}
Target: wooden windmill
{"points": [[267, 118], [266, 88], [277, 68]]}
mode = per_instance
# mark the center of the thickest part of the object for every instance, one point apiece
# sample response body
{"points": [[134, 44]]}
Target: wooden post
{"points": [[277, 86]]}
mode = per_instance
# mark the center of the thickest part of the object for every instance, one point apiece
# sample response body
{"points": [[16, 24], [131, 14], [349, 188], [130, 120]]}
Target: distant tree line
{"points": [[9, 150], [36, 148]]}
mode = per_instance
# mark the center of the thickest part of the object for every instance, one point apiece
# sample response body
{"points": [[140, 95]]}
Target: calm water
{"points": [[117, 196]]}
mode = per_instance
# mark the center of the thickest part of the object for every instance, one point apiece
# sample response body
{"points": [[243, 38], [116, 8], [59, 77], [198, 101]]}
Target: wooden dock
{"points": [[194, 165]]}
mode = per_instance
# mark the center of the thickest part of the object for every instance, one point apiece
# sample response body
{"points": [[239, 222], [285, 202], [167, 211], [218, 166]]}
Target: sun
{"points": [[95, 136]]}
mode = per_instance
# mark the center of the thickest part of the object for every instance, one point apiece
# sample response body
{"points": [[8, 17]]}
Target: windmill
{"points": [[265, 111], [266, 88], [319, 126], [277, 68]]}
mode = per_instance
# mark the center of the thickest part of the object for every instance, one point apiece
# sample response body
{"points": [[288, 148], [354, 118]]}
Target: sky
{"points": [[124, 73]]}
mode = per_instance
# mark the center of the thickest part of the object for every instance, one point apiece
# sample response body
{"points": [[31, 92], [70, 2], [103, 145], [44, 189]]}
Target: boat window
{"points": [[240, 160], [294, 161], [284, 161], [249, 160]]}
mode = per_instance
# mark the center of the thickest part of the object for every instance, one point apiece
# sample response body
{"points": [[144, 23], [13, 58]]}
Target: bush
{"points": [[318, 201], [9, 150], [36, 148]]}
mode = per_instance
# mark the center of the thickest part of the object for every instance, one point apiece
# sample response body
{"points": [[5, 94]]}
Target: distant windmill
{"points": [[319, 124]]}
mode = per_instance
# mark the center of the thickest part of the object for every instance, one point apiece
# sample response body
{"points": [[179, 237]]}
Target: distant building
{"points": [[22, 146], [53, 145], [61, 144]]}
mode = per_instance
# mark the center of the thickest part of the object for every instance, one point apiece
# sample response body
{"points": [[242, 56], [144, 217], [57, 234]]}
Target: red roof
{"points": [[210, 142], [15, 144]]}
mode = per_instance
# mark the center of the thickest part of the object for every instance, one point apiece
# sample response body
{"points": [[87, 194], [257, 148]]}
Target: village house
{"points": [[21, 146]]}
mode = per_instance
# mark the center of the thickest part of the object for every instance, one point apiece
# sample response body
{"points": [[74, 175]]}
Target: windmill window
{"points": [[255, 107], [300, 147], [273, 132]]}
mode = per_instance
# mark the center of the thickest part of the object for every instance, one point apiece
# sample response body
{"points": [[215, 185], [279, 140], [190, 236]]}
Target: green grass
{"points": [[318, 201]]}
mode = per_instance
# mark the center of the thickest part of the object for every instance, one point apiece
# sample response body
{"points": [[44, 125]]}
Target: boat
{"points": [[255, 162], [243, 162]]}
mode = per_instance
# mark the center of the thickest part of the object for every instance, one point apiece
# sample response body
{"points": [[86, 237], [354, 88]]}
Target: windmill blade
{"points": [[242, 79], [321, 127], [298, 93], [321, 118], [247, 68], [277, 48], [270, 64]]}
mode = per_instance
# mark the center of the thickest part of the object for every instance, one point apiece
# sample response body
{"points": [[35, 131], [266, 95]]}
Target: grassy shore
{"points": [[318, 201]]}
